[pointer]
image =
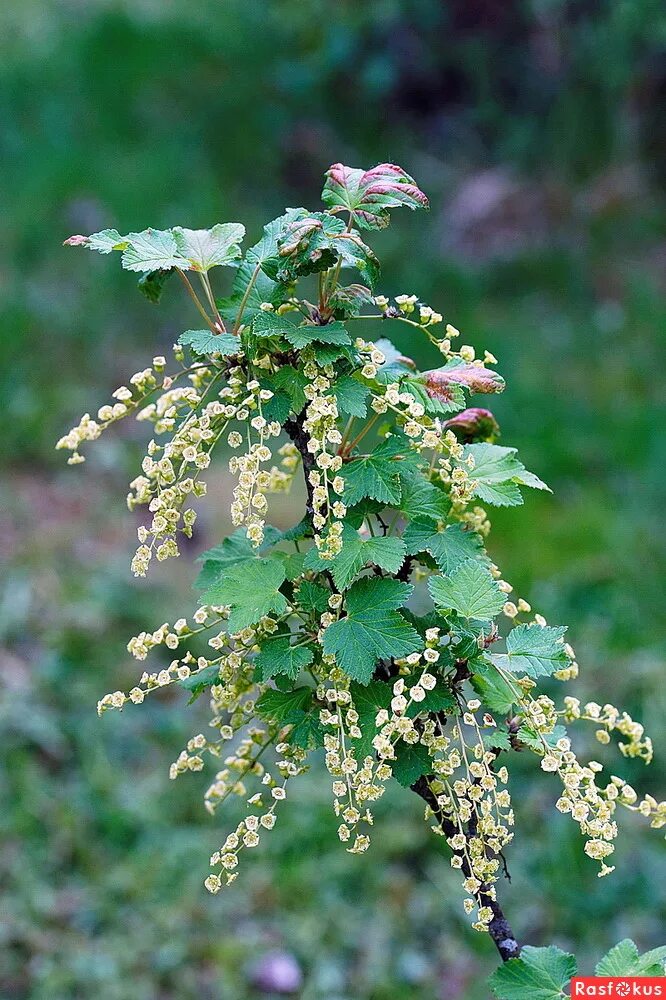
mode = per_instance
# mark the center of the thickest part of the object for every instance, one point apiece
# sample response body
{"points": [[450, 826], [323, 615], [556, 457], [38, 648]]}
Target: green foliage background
{"points": [[537, 130]]}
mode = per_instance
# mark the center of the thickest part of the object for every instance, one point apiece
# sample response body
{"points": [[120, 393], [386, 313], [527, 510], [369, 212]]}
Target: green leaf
{"points": [[496, 739], [355, 253], [375, 475], [539, 974], [278, 407], [312, 597], [102, 242], [316, 241], [386, 552], [284, 707], [351, 396], [152, 250], [278, 656], [453, 401], [498, 473], [328, 354], [373, 628], [305, 246], [299, 334], [492, 689], [152, 284], [536, 650], [264, 288], [207, 248], [292, 562], [412, 760], [528, 735], [368, 701], [308, 732], [265, 252], [309, 333], [206, 342], [623, 960], [395, 365], [448, 547], [369, 194], [233, 550], [251, 590], [440, 699], [420, 499], [292, 381], [201, 680], [422, 623], [470, 590], [297, 531]]}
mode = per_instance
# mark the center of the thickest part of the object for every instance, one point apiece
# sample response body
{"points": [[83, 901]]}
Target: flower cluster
{"points": [[245, 763], [127, 401], [249, 498], [324, 438], [303, 640]]}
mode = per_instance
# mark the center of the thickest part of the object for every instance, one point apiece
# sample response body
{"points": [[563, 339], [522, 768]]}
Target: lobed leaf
{"points": [[284, 707], [152, 250], [314, 242], [368, 195], [233, 550], [624, 960], [498, 473], [539, 974], [470, 591], [207, 248], [278, 656], [449, 546], [535, 650], [375, 475], [368, 700], [373, 628], [205, 342], [351, 396], [151, 285], [386, 552], [411, 761], [420, 499], [492, 689], [251, 590]]}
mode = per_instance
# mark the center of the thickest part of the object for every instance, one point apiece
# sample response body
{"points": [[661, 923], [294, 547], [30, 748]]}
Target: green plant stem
{"points": [[205, 281], [359, 437], [195, 298], [345, 435], [241, 309]]}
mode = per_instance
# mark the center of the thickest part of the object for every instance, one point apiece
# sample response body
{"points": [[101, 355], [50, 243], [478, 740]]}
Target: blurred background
{"points": [[537, 129]]}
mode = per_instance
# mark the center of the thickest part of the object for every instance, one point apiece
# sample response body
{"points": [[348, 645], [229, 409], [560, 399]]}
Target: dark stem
{"points": [[499, 928], [294, 428]]}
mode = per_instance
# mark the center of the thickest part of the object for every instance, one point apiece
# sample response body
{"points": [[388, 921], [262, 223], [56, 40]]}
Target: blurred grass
{"points": [[536, 131]]}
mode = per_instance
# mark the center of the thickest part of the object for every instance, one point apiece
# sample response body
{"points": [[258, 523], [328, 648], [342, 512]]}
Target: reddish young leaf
{"points": [[438, 382], [369, 194], [474, 424]]}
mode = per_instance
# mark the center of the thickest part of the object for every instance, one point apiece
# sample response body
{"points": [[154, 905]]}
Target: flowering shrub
{"points": [[374, 628]]}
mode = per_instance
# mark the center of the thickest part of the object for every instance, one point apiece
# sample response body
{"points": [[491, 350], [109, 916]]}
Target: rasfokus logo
{"points": [[627, 986]]}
